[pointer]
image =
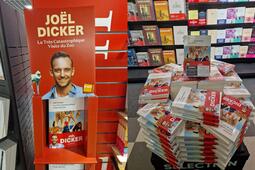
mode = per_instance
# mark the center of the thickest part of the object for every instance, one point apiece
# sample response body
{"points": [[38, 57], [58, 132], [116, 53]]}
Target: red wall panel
{"points": [[106, 138], [111, 89], [114, 59], [107, 127], [111, 103], [111, 75], [108, 116]]}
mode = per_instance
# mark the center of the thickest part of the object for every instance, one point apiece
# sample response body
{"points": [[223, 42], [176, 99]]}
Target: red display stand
{"points": [[44, 155]]}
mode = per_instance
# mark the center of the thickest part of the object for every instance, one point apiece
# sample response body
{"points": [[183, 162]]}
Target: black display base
{"points": [[236, 163]]}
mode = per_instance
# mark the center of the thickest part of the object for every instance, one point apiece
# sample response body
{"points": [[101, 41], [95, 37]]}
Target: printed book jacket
{"points": [[67, 123]]}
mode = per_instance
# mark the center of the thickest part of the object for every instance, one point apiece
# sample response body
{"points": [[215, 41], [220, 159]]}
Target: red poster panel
{"points": [[110, 15], [61, 31]]}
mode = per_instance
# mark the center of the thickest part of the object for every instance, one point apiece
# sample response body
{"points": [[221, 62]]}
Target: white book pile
{"points": [[197, 145], [156, 88], [232, 127], [8, 150], [160, 129], [215, 81], [202, 106], [204, 120]]}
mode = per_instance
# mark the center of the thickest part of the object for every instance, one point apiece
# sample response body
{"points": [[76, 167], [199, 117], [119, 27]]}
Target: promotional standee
{"points": [[62, 50]]}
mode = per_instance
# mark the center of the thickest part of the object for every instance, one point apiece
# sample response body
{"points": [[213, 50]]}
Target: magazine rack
{"points": [[44, 155]]}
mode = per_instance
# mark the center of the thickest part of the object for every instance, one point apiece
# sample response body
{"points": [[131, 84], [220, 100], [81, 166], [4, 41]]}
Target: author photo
{"points": [[62, 70]]}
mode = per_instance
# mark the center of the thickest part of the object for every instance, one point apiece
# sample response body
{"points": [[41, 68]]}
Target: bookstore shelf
{"points": [[219, 5], [132, 25], [60, 156], [221, 26]]}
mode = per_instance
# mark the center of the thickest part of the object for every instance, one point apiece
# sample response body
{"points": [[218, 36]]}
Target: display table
{"points": [[236, 163]]}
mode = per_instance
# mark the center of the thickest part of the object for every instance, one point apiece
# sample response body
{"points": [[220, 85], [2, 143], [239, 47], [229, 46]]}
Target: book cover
{"points": [[212, 15], [195, 33], [193, 17], [160, 116], [145, 10], [202, 18], [243, 51], [230, 35], [197, 51], [169, 56], [157, 85], [132, 12], [177, 6], [213, 34], [143, 59], [247, 32], [213, 53], [180, 56], [66, 166], [251, 51], [226, 52], [231, 15], [235, 51], [132, 59], [240, 15], [156, 57], [238, 34], [137, 38], [67, 122], [218, 53], [4, 114], [166, 35], [233, 117], [221, 35], [179, 33], [203, 32], [151, 35], [221, 16], [161, 10], [249, 15]]}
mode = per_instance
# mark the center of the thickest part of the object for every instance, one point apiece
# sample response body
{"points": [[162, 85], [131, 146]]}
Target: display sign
{"points": [[62, 50]]}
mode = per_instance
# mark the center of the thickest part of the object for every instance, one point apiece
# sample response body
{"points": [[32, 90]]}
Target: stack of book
{"points": [[223, 67], [160, 129], [202, 106], [232, 79], [237, 92], [8, 150], [172, 68], [215, 81], [232, 127], [179, 80], [120, 151], [156, 88]]}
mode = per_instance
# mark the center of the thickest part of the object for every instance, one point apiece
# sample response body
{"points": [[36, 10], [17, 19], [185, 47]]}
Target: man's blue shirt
{"points": [[76, 91]]}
